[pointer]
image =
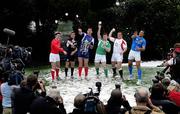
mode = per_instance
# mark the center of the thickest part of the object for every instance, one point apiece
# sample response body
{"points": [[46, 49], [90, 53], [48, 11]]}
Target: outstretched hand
{"points": [[41, 84], [65, 53], [113, 30], [79, 30], [99, 26]]}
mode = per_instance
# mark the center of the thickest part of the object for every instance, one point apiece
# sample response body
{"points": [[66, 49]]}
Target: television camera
{"points": [[91, 93], [13, 58], [172, 64]]}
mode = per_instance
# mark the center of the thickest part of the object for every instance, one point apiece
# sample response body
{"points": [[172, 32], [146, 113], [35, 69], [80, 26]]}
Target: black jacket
{"points": [[114, 106], [46, 105], [22, 99]]}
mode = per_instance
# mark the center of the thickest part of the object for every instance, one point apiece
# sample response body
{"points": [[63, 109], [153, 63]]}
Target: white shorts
{"points": [[54, 57], [134, 55], [117, 57], [100, 58]]}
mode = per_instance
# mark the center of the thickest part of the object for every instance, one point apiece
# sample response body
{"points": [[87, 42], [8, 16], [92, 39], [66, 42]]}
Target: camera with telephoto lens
{"points": [[170, 53], [118, 86], [13, 60], [15, 55], [91, 100], [36, 73], [159, 76], [91, 93]]}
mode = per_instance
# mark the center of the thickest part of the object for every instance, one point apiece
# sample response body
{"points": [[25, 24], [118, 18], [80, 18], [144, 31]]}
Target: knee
{"points": [[104, 67], [53, 67], [138, 66], [85, 65], [129, 63]]}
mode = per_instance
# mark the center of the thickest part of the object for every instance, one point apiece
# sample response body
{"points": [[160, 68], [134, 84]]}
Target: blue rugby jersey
{"points": [[138, 42], [86, 41]]}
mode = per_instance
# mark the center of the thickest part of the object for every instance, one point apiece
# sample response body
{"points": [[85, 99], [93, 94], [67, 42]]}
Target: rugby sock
{"points": [[106, 72], [80, 71], [57, 72], [139, 73], [66, 71], [72, 71], [114, 71], [97, 71], [86, 71], [52, 73], [130, 69], [121, 73]]}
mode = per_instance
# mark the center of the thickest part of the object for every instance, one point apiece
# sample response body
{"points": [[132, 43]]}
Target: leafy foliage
{"points": [[159, 18]]}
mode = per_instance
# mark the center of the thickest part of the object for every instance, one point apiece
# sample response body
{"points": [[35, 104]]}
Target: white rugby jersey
{"points": [[119, 45]]}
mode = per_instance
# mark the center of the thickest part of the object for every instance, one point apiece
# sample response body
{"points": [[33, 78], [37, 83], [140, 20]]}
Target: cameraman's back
{"points": [[174, 69], [88, 105]]}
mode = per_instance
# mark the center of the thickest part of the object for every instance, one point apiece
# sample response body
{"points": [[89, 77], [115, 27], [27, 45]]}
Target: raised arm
{"points": [[135, 34], [99, 32], [80, 31], [110, 35]]}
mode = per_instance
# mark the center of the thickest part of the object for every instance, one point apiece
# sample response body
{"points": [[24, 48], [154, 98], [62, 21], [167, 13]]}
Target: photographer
{"points": [[22, 97], [79, 104], [89, 103], [13, 58], [144, 105], [174, 94], [116, 101], [90, 107], [51, 104], [174, 63], [159, 98], [6, 63]]}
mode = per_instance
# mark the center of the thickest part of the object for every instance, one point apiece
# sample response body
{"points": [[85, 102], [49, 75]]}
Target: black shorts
{"points": [[70, 58]]}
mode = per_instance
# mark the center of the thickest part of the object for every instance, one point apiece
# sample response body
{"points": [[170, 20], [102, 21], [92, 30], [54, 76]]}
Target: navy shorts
{"points": [[83, 55]]}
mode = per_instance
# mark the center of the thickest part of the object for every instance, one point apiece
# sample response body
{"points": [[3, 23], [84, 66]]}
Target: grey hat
{"points": [[116, 94], [79, 100]]}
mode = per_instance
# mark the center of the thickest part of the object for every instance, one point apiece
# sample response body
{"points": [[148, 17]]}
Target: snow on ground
{"points": [[148, 63], [70, 88]]}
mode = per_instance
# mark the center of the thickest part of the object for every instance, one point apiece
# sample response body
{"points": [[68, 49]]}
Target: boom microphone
{"points": [[9, 32]]}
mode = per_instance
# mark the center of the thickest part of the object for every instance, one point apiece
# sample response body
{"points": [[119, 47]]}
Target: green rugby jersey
{"points": [[100, 48]]}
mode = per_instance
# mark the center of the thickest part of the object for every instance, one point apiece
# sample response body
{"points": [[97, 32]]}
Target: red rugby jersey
{"points": [[56, 46]]}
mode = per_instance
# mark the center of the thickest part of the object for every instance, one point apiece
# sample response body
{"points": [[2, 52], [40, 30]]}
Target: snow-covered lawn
{"points": [[69, 89]]}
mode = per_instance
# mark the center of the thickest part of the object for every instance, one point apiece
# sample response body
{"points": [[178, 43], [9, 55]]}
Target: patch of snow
{"points": [[147, 63], [70, 88]]}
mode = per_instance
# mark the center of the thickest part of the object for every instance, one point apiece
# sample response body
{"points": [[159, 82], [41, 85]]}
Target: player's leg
{"points": [[80, 61], [72, 68], [139, 72], [86, 61], [105, 69], [53, 70], [103, 61], [97, 61], [113, 63], [114, 68], [119, 67], [130, 68], [97, 65], [130, 64], [57, 70], [52, 60], [138, 65], [66, 67]]}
